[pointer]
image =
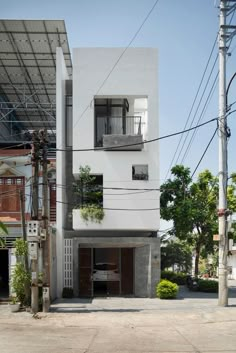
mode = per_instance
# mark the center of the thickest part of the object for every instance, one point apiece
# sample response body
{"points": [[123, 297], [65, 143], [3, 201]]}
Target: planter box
{"points": [[14, 307]]}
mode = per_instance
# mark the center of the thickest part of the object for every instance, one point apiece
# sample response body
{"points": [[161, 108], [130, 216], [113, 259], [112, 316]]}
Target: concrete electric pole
{"points": [[34, 216], [45, 213], [226, 34]]}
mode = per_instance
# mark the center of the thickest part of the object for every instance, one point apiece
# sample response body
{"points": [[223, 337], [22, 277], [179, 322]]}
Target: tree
{"points": [[176, 253], [3, 231], [192, 206], [90, 196]]}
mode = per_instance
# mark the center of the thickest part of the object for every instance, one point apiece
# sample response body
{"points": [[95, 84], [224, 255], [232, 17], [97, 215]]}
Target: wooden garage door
{"points": [[127, 271], [85, 272]]}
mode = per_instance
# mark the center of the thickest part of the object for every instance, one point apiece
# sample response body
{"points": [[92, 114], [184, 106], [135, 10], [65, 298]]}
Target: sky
{"points": [[184, 32]]}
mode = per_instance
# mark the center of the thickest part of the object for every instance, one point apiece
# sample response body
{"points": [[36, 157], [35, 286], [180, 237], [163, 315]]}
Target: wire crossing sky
{"points": [[184, 31]]}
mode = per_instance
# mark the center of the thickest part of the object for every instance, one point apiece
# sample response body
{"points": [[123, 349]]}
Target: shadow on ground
{"points": [[71, 309], [185, 293]]}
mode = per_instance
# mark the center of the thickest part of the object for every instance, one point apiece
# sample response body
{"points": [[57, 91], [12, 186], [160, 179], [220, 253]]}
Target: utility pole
{"points": [[34, 216], [22, 208], [45, 213], [226, 8]]}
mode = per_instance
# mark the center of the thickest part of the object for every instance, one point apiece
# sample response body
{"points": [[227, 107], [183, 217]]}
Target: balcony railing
{"points": [[111, 128]]}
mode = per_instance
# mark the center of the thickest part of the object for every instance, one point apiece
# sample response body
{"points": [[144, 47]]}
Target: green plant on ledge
{"points": [[93, 213], [90, 196]]}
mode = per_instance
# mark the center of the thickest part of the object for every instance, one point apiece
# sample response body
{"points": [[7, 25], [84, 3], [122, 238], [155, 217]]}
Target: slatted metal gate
{"points": [[68, 263]]}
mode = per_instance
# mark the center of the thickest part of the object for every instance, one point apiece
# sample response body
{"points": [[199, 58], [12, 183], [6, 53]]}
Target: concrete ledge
{"points": [[111, 141]]}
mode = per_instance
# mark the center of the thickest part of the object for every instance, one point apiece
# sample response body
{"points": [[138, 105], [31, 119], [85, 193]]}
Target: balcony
{"points": [[119, 133], [120, 220]]}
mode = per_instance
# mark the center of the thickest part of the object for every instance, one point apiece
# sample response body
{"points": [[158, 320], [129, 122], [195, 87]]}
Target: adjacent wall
{"points": [[61, 77]]}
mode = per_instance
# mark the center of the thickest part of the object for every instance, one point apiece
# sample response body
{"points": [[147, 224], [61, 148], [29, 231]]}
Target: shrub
{"points": [[179, 278], [166, 289], [67, 292], [19, 279], [209, 286]]}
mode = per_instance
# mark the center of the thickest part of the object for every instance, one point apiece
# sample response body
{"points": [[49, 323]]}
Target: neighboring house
{"points": [[232, 260], [103, 106], [16, 175]]}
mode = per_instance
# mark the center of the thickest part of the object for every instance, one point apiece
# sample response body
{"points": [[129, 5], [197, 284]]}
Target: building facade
{"points": [[105, 113], [16, 177]]}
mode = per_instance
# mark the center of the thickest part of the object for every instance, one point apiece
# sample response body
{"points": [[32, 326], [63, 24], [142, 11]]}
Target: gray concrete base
{"points": [[146, 260]]}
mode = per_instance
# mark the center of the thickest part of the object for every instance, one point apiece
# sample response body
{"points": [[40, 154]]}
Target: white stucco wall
{"points": [[232, 262], [135, 75], [61, 76]]}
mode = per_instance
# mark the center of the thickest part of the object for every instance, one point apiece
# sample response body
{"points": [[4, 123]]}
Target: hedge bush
{"points": [[67, 292], [166, 289], [209, 286], [179, 278]]}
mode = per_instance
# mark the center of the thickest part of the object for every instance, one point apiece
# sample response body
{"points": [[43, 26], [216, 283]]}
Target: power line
{"points": [[197, 109], [16, 155], [208, 145], [107, 208], [194, 101], [209, 97], [117, 61], [11, 147], [135, 144]]}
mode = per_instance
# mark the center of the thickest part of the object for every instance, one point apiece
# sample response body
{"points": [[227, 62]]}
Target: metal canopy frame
{"points": [[28, 75]]}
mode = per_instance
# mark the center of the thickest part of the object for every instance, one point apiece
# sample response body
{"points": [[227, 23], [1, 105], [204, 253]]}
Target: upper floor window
{"points": [[119, 116], [9, 193]]}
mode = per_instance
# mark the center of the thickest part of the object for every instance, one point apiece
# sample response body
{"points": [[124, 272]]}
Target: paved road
{"points": [[193, 323]]}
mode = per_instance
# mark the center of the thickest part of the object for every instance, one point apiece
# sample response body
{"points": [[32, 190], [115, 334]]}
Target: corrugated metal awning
{"points": [[28, 75]]}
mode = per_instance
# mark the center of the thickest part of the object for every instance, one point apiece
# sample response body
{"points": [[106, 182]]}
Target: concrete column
{"points": [[76, 266]]}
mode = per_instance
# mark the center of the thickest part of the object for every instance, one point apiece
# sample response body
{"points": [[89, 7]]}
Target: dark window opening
{"points": [[111, 118], [4, 274], [140, 172], [90, 192]]}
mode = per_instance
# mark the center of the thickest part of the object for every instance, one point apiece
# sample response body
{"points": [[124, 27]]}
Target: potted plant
{"points": [[14, 304]]}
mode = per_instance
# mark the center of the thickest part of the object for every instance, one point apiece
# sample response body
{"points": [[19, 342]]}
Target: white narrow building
{"points": [[104, 114]]}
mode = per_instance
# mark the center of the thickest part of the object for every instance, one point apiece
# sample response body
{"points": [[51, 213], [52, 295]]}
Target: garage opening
{"points": [[106, 271], [4, 273]]}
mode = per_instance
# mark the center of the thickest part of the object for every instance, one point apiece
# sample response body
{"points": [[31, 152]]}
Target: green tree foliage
{"points": [[3, 231], [192, 206], [21, 277], [178, 254], [90, 196]]}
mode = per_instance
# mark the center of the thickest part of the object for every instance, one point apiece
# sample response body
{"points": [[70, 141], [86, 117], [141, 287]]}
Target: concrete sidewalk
{"points": [[192, 323]]}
